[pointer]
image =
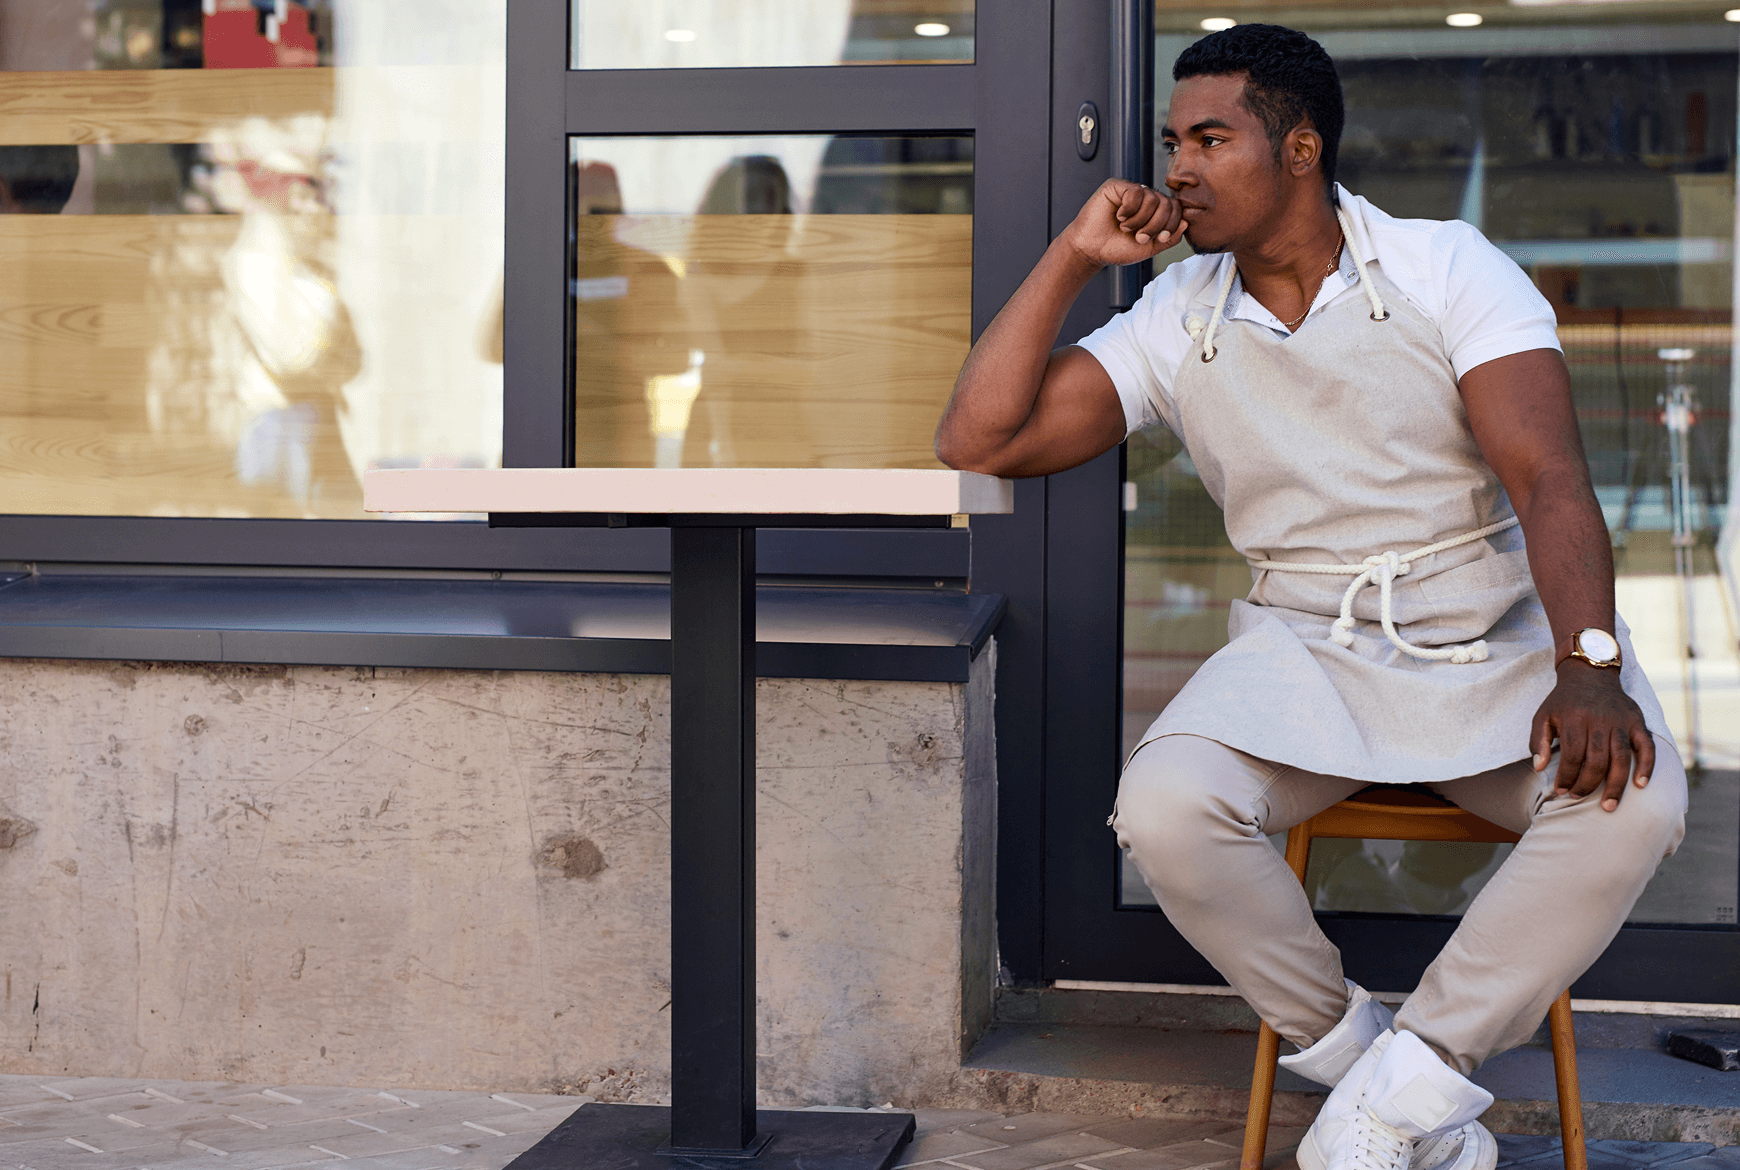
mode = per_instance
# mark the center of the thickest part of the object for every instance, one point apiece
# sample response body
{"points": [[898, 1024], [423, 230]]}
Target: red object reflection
{"points": [[239, 35]]}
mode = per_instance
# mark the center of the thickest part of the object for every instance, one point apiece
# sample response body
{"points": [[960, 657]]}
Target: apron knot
{"points": [[1381, 570]]}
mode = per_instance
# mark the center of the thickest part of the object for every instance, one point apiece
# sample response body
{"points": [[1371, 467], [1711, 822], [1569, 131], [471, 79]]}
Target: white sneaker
{"points": [[1471, 1147], [1328, 1060], [1391, 1105]]}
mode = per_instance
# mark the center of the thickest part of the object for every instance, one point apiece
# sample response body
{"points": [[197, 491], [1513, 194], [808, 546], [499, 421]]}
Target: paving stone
{"points": [[352, 1104], [471, 1108], [1058, 1148], [1603, 1159], [1025, 1127], [86, 1088], [234, 1137], [16, 1090], [537, 1123], [52, 1110], [1517, 1148], [408, 1160], [947, 1143], [1725, 1158], [932, 1120], [279, 1159], [57, 1155], [1653, 1153], [1145, 1132], [156, 1114], [1185, 1156]]}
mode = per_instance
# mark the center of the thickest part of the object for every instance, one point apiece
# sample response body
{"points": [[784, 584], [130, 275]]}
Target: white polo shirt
{"points": [[1484, 306]]}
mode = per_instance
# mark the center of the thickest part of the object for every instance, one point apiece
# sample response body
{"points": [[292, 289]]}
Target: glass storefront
{"points": [[1595, 145], [768, 302], [740, 34], [256, 249]]}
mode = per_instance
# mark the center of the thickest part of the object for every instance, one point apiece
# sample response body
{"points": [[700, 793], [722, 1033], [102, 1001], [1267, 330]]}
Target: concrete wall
{"points": [[457, 879]]}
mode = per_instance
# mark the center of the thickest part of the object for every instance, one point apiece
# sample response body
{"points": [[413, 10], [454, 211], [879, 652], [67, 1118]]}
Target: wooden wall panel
{"points": [[151, 105], [119, 376], [830, 340]]}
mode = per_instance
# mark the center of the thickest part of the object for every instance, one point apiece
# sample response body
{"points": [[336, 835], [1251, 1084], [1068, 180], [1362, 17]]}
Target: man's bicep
{"points": [[1519, 407], [1077, 415]]}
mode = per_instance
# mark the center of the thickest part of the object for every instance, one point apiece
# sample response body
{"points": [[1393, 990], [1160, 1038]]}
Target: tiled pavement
{"points": [[105, 1124], [1054, 1141]]}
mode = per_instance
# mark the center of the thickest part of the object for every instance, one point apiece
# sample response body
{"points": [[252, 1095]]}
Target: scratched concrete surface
{"points": [[459, 879]]}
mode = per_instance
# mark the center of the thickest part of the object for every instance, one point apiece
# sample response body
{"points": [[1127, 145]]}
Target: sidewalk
{"points": [[105, 1124]]}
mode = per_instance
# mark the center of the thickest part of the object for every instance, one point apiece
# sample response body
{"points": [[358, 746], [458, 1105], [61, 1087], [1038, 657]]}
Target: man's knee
{"points": [[1647, 826], [1659, 809], [1177, 795]]}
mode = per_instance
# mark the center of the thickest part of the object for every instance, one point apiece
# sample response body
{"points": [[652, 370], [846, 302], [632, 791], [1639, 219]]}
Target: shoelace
{"points": [[1377, 1146]]}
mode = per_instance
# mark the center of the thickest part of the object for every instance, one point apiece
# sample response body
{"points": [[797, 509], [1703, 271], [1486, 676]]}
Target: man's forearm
{"points": [[1570, 553], [1000, 382]]}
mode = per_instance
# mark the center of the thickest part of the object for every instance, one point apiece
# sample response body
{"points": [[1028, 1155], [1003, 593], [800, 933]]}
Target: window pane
{"points": [[769, 302], [1600, 156], [682, 34], [254, 257]]}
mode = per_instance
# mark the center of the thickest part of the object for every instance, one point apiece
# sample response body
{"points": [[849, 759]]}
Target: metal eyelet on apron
{"points": [[1377, 305]]}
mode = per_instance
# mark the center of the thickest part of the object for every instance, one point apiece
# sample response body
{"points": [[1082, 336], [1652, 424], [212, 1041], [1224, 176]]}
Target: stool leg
{"points": [[1565, 1072], [1262, 1097], [1268, 1040]]}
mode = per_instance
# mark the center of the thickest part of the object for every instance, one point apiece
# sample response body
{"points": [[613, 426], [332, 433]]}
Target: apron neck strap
{"points": [[1378, 312]]}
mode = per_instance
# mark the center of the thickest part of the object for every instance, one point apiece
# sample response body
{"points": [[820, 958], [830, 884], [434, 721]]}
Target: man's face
{"points": [[1221, 166]]}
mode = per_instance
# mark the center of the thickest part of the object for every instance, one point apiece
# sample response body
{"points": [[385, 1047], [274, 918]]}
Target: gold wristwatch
{"points": [[1596, 647]]}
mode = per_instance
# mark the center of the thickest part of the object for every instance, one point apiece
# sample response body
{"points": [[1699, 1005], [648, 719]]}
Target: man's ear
{"points": [[1304, 150]]}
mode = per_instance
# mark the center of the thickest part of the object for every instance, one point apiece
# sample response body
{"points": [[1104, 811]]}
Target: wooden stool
{"points": [[1384, 813]]}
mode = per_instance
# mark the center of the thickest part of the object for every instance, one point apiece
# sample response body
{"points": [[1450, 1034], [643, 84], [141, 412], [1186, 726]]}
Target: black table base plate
{"points": [[628, 1137]]}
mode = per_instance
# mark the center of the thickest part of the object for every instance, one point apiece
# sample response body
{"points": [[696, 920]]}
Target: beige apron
{"points": [[1344, 441]]}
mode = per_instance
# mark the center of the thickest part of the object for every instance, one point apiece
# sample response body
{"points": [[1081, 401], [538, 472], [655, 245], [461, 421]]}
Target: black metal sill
{"points": [[894, 634]]}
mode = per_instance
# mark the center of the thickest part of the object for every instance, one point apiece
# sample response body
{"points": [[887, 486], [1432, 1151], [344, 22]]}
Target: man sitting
{"points": [[1381, 409]]}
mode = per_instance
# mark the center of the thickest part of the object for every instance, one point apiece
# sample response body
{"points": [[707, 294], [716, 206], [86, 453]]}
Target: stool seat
{"points": [[1384, 812]]}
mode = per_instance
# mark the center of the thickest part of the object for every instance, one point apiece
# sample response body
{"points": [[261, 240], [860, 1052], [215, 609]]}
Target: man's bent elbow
{"points": [[952, 451]]}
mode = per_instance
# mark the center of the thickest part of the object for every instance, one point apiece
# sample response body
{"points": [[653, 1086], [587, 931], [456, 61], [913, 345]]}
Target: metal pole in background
{"points": [[1132, 121], [1678, 412], [713, 839]]}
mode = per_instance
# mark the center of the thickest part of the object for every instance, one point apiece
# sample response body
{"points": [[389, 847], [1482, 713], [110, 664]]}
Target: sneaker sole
{"points": [[1480, 1154]]}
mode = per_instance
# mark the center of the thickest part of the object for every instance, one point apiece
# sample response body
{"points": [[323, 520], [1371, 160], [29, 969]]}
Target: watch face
{"points": [[1598, 644]]}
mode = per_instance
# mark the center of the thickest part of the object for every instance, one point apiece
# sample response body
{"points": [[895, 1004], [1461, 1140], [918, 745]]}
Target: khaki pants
{"points": [[1195, 815]]}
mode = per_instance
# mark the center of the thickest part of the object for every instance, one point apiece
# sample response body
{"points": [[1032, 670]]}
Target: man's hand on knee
{"points": [[1600, 731]]}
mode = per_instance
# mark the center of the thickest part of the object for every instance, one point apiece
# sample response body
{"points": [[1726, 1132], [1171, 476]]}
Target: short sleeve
{"points": [[1122, 346], [1491, 307]]}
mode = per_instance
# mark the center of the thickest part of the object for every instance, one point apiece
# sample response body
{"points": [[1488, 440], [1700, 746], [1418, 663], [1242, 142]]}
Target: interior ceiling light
{"points": [[1732, 14], [1464, 19], [931, 29], [1217, 23], [681, 36]]}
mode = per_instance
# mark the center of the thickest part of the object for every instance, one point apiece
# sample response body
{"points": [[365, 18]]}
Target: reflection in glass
{"points": [[768, 302], [1600, 157], [278, 261], [677, 34]]}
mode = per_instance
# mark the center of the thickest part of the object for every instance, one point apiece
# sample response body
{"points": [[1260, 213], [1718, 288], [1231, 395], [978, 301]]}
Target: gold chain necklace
{"points": [[1334, 263]]}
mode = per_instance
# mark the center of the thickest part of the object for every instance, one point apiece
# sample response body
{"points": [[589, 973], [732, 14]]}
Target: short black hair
{"points": [[40, 178], [1287, 76]]}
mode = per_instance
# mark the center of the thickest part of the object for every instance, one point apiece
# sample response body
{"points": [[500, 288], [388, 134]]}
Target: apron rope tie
{"points": [[1378, 312], [1383, 569]]}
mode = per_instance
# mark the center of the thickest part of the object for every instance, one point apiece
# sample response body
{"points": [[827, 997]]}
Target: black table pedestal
{"points": [[713, 1123], [628, 1137]]}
